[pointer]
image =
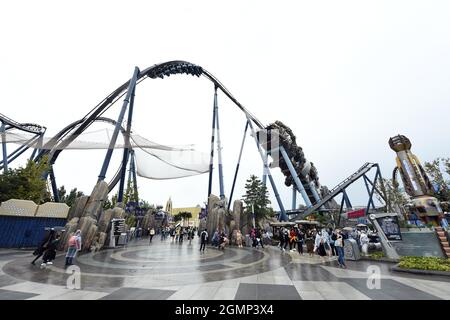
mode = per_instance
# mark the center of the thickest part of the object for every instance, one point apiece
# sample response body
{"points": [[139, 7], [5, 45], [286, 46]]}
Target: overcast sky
{"points": [[344, 75]]}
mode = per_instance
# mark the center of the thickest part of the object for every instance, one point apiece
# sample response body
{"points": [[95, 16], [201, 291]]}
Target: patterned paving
{"points": [[165, 270]]}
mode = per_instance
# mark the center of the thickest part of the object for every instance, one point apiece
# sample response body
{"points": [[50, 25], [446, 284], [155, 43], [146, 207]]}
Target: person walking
{"points": [[152, 234], [39, 252], [333, 238], [364, 239], [319, 245], [74, 247], [292, 239], [286, 238], [299, 238], [309, 240], [259, 240], [339, 245], [191, 235], [203, 240], [50, 253], [281, 236]]}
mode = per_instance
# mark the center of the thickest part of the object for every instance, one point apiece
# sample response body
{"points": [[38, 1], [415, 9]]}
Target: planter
{"points": [[396, 268]]}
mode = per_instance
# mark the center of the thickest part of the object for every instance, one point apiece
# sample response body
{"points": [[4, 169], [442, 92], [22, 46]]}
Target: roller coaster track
{"points": [[337, 190], [27, 127], [65, 136]]}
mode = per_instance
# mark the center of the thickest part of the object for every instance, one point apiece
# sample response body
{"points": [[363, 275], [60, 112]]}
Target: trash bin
{"points": [[351, 250]]}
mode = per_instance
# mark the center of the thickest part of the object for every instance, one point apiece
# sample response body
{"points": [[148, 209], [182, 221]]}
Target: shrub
{"points": [[425, 263]]}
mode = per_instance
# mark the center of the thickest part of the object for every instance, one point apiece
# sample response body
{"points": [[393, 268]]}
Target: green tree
{"points": [[395, 199], [25, 183], [257, 196], [435, 171], [178, 217], [70, 198]]}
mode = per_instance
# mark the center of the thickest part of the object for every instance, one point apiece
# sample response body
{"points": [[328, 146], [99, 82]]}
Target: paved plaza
{"points": [[165, 270]]}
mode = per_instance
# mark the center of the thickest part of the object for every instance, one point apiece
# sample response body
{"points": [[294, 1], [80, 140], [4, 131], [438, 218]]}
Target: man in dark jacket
{"points": [[43, 245], [203, 240]]}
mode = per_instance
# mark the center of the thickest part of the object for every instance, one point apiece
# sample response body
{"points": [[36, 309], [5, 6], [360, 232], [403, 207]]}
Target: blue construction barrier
{"points": [[25, 232]]}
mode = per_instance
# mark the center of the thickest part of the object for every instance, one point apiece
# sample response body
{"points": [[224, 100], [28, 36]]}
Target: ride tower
{"points": [[416, 182]]}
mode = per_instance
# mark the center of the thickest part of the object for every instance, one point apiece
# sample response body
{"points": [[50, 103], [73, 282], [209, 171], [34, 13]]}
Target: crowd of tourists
{"points": [[317, 242]]}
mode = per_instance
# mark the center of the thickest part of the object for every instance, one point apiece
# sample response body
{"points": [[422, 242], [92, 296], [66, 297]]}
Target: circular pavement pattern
{"points": [[161, 263]]}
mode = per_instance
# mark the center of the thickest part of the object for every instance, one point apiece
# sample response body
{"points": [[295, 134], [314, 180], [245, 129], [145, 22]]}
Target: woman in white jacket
{"points": [[364, 240]]}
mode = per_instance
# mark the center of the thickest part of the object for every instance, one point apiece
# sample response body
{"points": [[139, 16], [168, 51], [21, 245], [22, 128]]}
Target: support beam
{"points": [[133, 171], [371, 192], [237, 166], [283, 216], [219, 147], [109, 153], [294, 175], [294, 198], [368, 189], [5, 156], [54, 186], [313, 189], [348, 204], [264, 176], [211, 159], [127, 148]]}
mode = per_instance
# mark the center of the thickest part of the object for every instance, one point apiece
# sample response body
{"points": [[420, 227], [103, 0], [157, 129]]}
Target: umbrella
{"points": [[361, 225], [348, 229]]}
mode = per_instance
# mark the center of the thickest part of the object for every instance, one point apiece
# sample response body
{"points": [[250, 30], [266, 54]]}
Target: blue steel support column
{"points": [[108, 155], [133, 171], [211, 159], [237, 165], [371, 192], [313, 189], [54, 186], [5, 156], [219, 147], [294, 198], [283, 216], [294, 175], [368, 190], [346, 199], [126, 150]]}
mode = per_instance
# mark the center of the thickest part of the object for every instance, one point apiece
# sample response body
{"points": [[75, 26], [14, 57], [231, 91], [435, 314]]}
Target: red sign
{"points": [[356, 214]]}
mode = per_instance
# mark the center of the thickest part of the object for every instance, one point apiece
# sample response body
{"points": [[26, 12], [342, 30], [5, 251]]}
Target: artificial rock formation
{"points": [[94, 205], [76, 211], [87, 215]]}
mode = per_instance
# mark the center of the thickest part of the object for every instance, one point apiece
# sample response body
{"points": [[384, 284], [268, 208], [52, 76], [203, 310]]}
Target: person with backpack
{"points": [[74, 247], [203, 240]]}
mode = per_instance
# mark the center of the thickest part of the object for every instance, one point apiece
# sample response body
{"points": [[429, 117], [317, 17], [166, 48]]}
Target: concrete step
{"points": [[443, 239], [441, 233]]}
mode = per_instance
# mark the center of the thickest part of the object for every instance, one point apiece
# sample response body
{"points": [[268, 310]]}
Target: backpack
{"points": [[73, 241]]}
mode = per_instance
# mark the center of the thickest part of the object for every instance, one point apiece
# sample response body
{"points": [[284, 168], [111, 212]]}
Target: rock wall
{"points": [[87, 215]]}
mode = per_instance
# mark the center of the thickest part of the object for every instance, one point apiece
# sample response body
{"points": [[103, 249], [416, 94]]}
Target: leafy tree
{"points": [[436, 170], [71, 197], [257, 196], [25, 183], [178, 217], [395, 199]]}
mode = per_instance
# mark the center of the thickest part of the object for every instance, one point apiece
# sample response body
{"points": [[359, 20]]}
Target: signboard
{"points": [[118, 226], [390, 227], [356, 214]]}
